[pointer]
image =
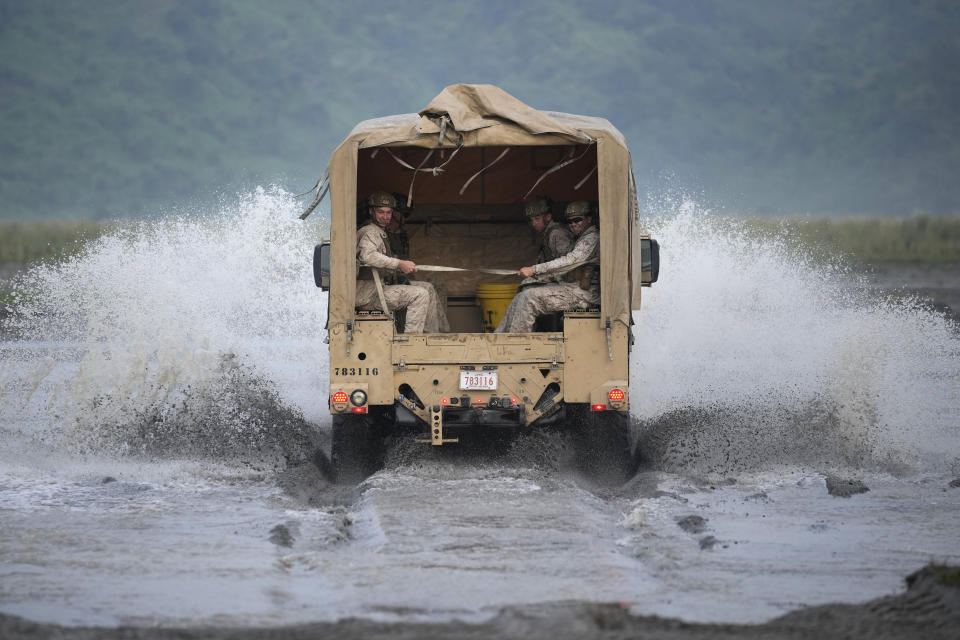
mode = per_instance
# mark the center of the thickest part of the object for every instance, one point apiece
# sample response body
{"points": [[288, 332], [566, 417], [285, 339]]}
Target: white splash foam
{"points": [[157, 309], [738, 321]]}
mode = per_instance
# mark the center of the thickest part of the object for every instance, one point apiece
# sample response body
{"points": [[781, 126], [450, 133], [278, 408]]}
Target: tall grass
{"points": [[25, 242], [915, 239]]}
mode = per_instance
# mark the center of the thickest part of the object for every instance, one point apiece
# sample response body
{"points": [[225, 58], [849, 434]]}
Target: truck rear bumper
{"points": [[488, 416], [453, 417]]}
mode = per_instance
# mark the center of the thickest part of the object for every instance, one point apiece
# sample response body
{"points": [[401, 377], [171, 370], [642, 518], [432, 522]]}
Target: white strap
{"points": [[580, 184], [410, 192], [467, 183], [495, 272], [322, 187], [560, 165], [437, 170], [382, 296]]}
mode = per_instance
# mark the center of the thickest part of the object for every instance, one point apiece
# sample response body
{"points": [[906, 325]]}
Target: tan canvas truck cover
{"points": [[466, 116]]}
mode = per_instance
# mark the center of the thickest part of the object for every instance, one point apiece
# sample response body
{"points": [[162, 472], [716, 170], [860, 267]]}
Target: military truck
{"points": [[465, 164]]}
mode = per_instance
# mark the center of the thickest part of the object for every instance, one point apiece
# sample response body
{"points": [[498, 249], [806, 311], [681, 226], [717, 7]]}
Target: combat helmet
{"points": [[579, 208], [536, 206], [382, 199]]}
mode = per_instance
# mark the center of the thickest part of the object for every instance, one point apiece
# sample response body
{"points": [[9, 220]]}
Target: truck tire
{"points": [[602, 444], [356, 450]]}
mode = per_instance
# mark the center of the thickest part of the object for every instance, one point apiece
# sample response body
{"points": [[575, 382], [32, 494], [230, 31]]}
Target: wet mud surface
{"points": [[844, 488], [930, 609], [471, 542]]}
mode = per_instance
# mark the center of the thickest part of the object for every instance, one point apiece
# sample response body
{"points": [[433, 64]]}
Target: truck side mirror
{"points": [[649, 261], [321, 265]]}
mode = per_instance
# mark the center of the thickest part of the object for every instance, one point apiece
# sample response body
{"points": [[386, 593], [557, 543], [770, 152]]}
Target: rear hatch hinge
{"points": [[609, 339]]}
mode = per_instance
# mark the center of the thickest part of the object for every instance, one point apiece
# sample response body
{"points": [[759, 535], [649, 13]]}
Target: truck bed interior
{"points": [[467, 208]]}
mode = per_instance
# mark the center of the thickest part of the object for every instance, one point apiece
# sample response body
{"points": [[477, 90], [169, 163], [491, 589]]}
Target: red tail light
{"points": [[340, 396], [617, 395], [598, 407], [359, 409]]}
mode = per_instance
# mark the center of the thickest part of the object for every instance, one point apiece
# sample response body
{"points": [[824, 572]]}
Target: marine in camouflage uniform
{"points": [[555, 239], [577, 272], [397, 238], [418, 298]]}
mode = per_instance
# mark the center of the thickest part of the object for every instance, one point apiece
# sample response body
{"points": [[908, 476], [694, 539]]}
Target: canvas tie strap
{"points": [[471, 178], [570, 159], [503, 272], [634, 203], [437, 170], [585, 178], [322, 188], [433, 267], [380, 294], [444, 119], [493, 272]]}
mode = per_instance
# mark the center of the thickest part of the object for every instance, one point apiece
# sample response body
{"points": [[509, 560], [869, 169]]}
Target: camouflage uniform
{"points": [[560, 296], [418, 298], [555, 241]]}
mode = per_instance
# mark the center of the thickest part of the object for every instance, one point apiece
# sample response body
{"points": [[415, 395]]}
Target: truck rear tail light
{"points": [[617, 395], [358, 398], [339, 401], [598, 407], [359, 409]]}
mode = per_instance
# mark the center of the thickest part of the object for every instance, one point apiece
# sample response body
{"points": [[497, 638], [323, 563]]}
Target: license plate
{"points": [[478, 380]]}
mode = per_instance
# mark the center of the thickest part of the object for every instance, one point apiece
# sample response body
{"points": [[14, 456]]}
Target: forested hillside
{"points": [[116, 108]]}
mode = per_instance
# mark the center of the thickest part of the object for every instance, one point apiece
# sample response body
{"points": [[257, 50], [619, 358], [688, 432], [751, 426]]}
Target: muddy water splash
{"points": [[188, 335], [204, 335], [751, 353]]}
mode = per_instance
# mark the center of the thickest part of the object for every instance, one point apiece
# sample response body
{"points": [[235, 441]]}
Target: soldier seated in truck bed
{"points": [[556, 239], [579, 287], [418, 298]]}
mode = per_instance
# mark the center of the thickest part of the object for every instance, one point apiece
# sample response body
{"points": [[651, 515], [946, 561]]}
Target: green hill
{"points": [[120, 108]]}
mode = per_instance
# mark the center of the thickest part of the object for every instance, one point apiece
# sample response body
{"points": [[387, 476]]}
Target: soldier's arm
{"points": [[580, 252], [561, 242], [369, 253]]}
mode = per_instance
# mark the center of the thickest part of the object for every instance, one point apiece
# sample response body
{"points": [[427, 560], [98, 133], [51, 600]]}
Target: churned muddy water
{"points": [[162, 400]]}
